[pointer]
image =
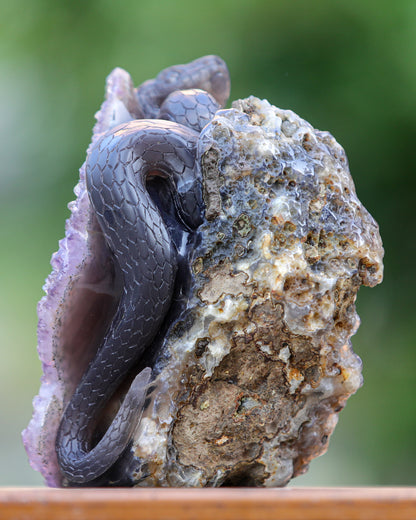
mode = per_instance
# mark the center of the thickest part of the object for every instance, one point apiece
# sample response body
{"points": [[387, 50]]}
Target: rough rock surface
{"points": [[252, 376], [261, 364]]}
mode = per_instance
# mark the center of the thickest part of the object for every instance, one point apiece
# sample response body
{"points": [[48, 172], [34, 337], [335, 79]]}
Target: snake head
{"points": [[220, 84]]}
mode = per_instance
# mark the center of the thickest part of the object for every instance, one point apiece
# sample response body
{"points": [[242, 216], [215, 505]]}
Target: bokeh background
{"points": [[346, 66]]}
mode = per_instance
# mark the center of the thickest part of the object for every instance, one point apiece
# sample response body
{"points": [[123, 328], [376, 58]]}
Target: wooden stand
{"points": [[208, 504]]}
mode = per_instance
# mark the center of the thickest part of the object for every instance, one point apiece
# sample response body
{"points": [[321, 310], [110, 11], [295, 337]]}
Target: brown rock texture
{"points": [[262, 359]]}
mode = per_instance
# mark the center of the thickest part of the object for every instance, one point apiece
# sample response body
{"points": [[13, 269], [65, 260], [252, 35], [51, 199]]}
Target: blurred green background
{"points": [[345, 66]]}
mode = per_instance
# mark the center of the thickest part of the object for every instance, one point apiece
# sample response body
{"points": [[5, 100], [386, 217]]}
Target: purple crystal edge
{"points": [[67, 262]]}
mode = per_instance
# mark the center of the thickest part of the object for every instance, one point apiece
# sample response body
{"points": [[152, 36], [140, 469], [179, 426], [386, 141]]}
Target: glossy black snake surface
{"points": [[118, 167]]}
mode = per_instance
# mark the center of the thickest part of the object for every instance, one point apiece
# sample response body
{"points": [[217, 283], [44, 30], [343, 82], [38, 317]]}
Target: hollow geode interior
{"points": [[252, 374]]}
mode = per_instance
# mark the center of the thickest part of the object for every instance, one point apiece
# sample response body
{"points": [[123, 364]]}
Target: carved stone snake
{"points": [[118, 166]]}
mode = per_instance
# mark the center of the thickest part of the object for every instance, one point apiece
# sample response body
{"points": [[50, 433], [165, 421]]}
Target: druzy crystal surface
{"points": [[252, 374]]}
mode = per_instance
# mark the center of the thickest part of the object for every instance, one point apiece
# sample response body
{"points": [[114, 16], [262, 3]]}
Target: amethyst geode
{"points": [[251, 374]]}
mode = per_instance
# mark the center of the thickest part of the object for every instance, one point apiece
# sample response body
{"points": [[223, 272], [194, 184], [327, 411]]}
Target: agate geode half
{"points": [[252, 369]]}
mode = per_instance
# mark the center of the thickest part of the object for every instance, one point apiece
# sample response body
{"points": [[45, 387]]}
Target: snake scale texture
{"points": [[177, 104]]}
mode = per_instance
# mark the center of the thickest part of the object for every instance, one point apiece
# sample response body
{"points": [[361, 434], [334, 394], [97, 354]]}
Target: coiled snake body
{"points": [[117, 169]]}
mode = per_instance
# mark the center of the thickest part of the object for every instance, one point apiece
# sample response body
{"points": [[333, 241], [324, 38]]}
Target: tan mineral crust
{"points": [[255, 373]]}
